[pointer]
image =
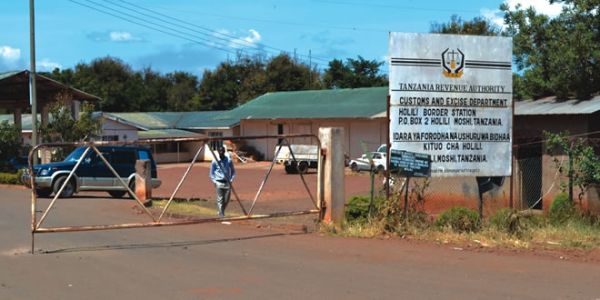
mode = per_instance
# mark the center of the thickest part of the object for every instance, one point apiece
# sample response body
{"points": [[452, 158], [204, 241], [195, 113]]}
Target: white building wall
{"points": [[372, 132], [122, 131], [256, 127]]}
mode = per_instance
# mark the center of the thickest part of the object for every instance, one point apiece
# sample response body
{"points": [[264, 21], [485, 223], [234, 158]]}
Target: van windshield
{"points": [[75, 155]]}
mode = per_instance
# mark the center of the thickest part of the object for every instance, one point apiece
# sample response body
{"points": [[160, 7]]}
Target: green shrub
{"points": [[10, 178], [460, 219], [357, 209], [512, 222], [562, 210]]}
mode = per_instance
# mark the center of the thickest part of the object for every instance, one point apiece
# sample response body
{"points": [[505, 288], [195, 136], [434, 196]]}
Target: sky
{"points": [[196, 35]]}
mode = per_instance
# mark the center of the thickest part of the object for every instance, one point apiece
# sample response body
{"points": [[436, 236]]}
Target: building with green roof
{"points": [[145, 126], [361, 112]]}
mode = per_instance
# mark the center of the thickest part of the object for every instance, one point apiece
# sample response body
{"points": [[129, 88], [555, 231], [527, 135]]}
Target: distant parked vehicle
{"points": [[305, 157], [362, 163], [92, 174], [17, 163]]}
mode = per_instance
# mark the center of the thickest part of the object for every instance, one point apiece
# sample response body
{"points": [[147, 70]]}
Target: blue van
{"points": [[92, 174]]}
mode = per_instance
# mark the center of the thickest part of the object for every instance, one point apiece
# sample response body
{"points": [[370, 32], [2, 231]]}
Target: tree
{"points": [[477, 26], [285, 74], [63, 128], [111, 80], [219, 89], [234, 83], [154, 93], [557, 56], [10, 142], [583, 168], [181, 91], [354, 73]]}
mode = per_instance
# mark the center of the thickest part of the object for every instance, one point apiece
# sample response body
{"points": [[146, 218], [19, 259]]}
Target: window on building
{"points": [[110, 138], [166, 147], [279, 131], [215, 144]]}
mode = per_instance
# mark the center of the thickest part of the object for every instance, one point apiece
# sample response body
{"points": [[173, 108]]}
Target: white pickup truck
{"points": [[305, 157]]}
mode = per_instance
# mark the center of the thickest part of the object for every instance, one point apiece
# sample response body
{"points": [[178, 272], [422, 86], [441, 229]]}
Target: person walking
{"points": [[222, 173]]}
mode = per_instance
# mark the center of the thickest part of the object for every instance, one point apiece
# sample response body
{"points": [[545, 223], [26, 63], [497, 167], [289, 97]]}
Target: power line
{"points": [[216, 34], [307, 24], [168, 30], [208, 43], [400, 7]]}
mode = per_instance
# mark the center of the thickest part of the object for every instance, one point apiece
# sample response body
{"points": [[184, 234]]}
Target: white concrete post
{"points": [[332, 184], [143, 175]]}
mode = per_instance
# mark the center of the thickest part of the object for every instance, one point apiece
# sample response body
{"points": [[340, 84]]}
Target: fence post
{"points": [[333, 189], [143, 176]]}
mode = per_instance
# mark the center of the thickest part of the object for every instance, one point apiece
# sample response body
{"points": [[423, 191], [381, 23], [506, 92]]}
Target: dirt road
{"points": [[215, 261]]}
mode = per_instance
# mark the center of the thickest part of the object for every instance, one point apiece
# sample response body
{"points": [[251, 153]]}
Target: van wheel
{"points": [[69, 189], [302, 167], [116, 194], [132, 187], [354, 167], [379, 170]]}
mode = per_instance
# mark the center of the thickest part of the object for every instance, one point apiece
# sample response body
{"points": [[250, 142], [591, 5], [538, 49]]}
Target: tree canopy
{"points": [[477, 26], [230, 84], [557, 56], [354, 73]]}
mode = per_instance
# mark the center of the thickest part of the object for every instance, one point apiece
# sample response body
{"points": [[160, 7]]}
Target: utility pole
{"points": [[32, 93], [309, 69]]}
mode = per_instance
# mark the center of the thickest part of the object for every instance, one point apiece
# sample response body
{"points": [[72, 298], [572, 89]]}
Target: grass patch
{"points": [[200, 208], [573, 235], [505, 229]]}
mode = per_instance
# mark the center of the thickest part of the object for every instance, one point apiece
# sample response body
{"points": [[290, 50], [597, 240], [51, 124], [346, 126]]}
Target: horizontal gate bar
{"points": [[188, 222]]}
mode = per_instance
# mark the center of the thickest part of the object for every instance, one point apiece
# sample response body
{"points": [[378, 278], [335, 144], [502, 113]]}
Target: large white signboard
{"points": [[451, 98]]}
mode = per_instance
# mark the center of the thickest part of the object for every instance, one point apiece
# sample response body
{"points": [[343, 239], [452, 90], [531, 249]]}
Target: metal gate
{"points": [[157, 219]]}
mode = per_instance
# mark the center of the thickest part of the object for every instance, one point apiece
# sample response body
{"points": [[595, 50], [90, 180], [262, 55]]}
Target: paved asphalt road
{"points": [[215, 261]]}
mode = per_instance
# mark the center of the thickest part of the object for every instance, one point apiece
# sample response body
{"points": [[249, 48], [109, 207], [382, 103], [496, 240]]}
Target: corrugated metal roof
{"points": [[551, 106], [167, 133], [173, 120], [145, 120], [17, 82], [9, 74], [337, 103], [204, 120]]}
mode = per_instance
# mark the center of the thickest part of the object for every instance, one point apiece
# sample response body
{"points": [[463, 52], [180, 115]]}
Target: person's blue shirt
{"points": [[217, 174]]}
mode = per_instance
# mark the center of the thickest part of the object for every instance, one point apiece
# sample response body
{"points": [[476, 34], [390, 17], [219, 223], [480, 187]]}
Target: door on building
{"points": [[529, 159]]}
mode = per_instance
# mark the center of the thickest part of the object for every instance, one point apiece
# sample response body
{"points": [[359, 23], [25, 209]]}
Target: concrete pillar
{"points": [[332, 184], [45, 113], [143, 177], [18, 119]]}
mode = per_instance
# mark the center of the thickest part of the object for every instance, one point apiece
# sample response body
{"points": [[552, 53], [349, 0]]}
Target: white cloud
{"points": [[250, 40], [122, 37], [253, 38], [540, 6], [10, 54], [47, 65], [496, 16]]}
